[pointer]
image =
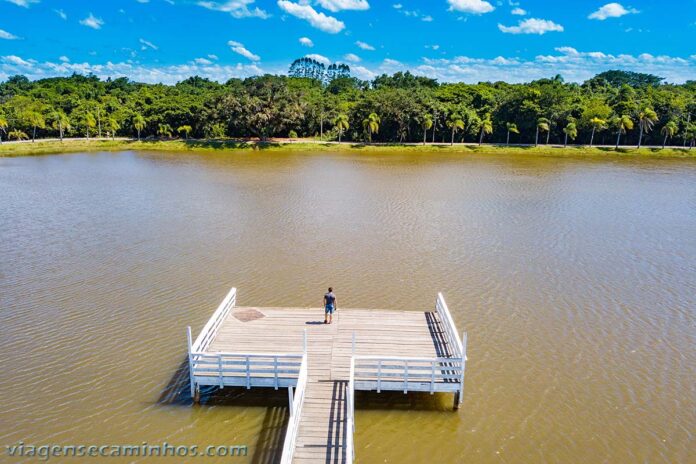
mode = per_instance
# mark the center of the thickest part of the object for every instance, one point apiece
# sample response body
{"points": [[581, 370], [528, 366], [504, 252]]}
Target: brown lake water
{"points": [[575, 280]]}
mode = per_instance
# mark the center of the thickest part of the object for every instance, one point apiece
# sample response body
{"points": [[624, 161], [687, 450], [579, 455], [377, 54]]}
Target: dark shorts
{"points": [[329, 309]]}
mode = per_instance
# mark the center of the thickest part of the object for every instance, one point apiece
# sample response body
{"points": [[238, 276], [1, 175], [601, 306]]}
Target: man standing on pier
{"points": [[329, 306]]}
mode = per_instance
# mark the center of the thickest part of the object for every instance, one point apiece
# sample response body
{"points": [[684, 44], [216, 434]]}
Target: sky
{"points": [[450, 40]]}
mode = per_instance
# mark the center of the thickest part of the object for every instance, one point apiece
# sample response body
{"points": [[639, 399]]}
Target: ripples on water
{"points": [[574, 278]]}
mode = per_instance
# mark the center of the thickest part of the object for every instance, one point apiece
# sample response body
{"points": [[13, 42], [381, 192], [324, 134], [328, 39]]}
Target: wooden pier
{"points": [[322, 365]]}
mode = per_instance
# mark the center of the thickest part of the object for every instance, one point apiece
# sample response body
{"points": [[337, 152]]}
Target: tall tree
{"points": [[570, 130], [426, 123], [511, 127], [3, 126], [371, 125], [113, 125], [541, 125], [35, 120], [668, 130], [455, 123], [139, 124], [486, 128], [60, 122], [341, 123], [597, 124], [646, 120], [622, 124]]}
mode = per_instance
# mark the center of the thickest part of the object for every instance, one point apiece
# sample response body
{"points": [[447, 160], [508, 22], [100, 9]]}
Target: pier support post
{"points": [[457, 401]]}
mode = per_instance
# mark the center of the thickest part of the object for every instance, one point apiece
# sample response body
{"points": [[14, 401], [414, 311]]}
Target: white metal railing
{"points": [[246, 369], [407, 374], [350, 413], [211, 327], [450, 329], [296, 404]]}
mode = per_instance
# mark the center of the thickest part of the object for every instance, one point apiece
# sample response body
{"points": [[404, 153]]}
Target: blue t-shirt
{"points": [[330, 298]]}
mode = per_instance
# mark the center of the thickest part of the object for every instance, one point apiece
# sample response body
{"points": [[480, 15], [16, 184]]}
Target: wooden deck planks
{"points": [[322, 431]]}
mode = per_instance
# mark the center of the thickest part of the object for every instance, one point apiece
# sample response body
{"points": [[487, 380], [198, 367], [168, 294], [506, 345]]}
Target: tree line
{"points": [[612, 108]]}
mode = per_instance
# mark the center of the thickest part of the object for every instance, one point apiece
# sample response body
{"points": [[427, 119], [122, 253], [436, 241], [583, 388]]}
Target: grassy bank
{"points": [[81, 145]]}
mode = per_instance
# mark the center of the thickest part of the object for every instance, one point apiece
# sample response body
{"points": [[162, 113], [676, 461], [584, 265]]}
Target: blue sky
{"points": [[452, 40]]}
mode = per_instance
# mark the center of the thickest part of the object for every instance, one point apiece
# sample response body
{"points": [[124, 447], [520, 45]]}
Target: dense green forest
{"points": [[613, 107]]}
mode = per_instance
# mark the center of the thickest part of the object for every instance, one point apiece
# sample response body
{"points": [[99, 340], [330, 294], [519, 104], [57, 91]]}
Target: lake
{"points": [[574, 278]]}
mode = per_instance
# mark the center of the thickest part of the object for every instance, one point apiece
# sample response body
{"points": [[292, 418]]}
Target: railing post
{"points": [[275, 370], [248, 374], [405, 376], [379, 376], [292, 412], [461, 386], [190, 361], [222, 385], [432, 377]]}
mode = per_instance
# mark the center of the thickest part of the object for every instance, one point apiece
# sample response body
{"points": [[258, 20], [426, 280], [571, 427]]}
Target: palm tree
{"points": [[371, 125], [668, 130], [570, 130], [511, 127], [113, 126], [690, 134], [185, 129], [164, 130], [543, 124], [426, 123], [486, 128], [3, 126], [90, 123], [61, 123], [341, 123], [597, 124], [35, 119], [646, 120], [623, 124], [139, 124], [17, 135], [455, 123]]}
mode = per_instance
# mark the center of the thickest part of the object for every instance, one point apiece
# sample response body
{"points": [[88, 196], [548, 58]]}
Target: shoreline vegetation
{"points": [[67, 145], [616, 109]]}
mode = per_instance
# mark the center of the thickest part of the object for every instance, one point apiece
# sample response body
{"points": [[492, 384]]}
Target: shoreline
{"points": [[51, 147]]}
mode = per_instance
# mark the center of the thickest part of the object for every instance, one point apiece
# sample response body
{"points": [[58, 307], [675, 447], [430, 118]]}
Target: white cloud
{"points": [[202, 61], [23, 3], [319, 20], [11, 65], [518, 11], [470, 6], [397, 6], [339, 5], [427, 19], [433, 47], [92, 21], [6, 35], [574, 65], [236, 8], [143, 1], [361, 72], [320, 58], [611, 10], [145, 44], [213, 57], [240, 49], [64, 59], [61, 13], [352, 57], [306, 41], [532, 26], [364, 46]]}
